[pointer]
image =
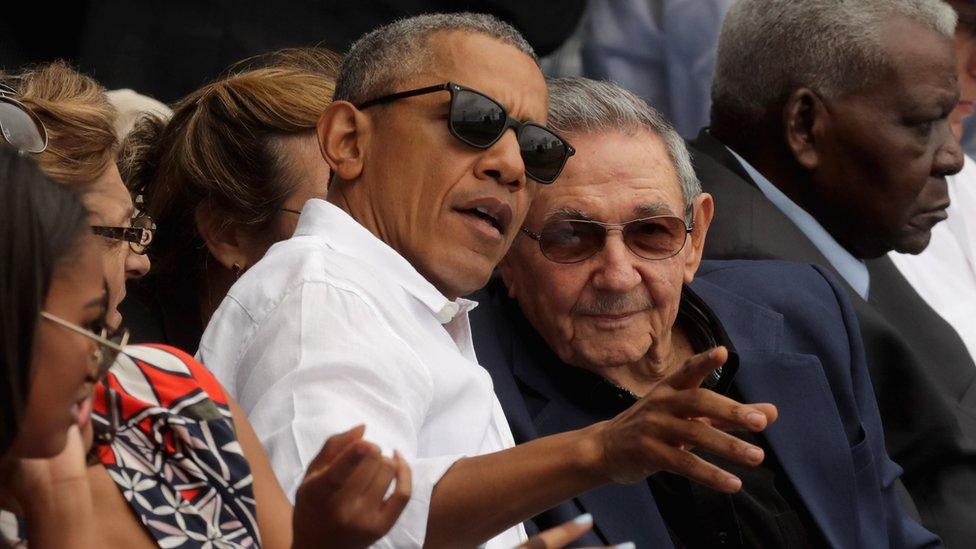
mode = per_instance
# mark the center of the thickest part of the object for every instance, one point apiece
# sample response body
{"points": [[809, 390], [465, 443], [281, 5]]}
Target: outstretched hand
{"points": [[341, 502], [659, 431]]}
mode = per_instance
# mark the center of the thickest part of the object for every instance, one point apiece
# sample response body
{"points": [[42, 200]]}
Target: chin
{"points": [[913, 244]]}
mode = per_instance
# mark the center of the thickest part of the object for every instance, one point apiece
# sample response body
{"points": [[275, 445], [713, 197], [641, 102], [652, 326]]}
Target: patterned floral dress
{"points": [[175, 455]]}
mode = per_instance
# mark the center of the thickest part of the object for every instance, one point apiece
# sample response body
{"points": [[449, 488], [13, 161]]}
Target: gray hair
{"points": [[580, 105], [769, 48], [386, 56]]}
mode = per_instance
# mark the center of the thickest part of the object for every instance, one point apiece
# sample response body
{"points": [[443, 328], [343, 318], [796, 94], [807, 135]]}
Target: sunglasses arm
{"points": [[91, 335]]}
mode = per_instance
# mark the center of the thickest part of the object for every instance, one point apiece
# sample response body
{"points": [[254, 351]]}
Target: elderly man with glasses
{"points": [[598, 313]]}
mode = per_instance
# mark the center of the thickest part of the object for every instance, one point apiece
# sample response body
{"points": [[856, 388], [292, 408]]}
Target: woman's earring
{"points": [[236, 269]]}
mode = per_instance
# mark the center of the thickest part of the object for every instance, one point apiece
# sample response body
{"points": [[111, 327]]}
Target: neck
{"points": [[217, 282]]}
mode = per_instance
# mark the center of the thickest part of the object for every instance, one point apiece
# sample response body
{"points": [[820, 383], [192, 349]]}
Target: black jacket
{"points": [[922, 374]]}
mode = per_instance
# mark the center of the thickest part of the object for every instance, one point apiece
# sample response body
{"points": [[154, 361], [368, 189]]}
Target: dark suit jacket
{"points": [[923, 376], [798, 346]]}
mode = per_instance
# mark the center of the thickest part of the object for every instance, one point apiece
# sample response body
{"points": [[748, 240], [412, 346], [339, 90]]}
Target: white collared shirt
{"points": [[945, 273], [850, 268], [333, 328]]}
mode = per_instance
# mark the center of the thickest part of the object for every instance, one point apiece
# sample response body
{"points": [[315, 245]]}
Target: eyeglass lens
{"points": [[570, 241], [20, 128], [480, 121]]}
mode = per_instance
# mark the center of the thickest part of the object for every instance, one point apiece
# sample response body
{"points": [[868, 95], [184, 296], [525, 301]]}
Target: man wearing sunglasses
{"points": [[604, 317]]}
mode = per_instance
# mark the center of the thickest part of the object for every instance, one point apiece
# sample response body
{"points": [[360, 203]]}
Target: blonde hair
{"points": [[222, 147], [78, 117]]}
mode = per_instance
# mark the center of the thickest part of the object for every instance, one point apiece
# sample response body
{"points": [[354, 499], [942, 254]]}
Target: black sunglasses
{"points": [[19, 126], [139, 235], [480, 121], [575, 240]]}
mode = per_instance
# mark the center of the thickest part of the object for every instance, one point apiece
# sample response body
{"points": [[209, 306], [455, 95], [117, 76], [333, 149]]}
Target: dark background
{"points": [[167, 49]]}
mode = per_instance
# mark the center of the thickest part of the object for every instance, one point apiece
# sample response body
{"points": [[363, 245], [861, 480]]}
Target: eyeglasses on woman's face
{"points": [[110, 346], [139, 235], [576, 240], [479, 121]]}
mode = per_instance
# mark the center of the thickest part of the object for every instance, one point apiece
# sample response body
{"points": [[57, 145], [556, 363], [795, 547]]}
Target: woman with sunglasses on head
{"points": [[50, 279], [174, 460], [225, 178]]}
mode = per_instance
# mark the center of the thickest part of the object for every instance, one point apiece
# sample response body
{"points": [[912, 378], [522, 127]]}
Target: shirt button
{"points": [[447, 312]]}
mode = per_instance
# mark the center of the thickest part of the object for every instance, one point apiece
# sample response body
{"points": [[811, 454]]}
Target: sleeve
{"points": [[323, 362], [903, 531]]}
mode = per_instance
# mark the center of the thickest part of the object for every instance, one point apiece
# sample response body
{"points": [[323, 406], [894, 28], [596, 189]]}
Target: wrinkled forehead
{"points": [[107, 199], [615, 176]]}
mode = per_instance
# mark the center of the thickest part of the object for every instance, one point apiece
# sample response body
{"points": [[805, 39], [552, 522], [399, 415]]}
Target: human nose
{"points": [[617, 271], [949, 157], [503, 163], [136, 265]]}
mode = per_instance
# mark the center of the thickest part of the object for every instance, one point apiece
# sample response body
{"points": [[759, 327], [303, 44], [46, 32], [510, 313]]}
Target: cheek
{"points": [[60, 367]]}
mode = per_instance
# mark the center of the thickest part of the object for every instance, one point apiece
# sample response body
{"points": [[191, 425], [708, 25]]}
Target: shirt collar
{"points": [[852, 269], [345, 235]]}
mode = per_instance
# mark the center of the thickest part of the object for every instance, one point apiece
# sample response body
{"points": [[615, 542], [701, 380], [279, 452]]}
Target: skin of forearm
{"points": [[61, 516], [482, 496]]}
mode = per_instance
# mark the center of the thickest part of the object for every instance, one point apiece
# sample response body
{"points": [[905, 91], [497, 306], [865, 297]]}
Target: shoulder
{"points": [[805, 295], [169, 373]]}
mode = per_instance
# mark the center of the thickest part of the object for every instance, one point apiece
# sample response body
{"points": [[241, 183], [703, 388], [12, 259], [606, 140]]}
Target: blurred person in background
{"points": [[662, 50], [224, 179]]}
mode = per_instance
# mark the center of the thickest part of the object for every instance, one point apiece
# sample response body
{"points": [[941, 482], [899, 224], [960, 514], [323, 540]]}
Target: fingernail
{"points": [[625, 545], [756, 419], [583, 519], [754, 454], [732, 484]]}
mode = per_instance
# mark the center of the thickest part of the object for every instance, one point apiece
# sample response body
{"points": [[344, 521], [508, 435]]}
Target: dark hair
{"points": [[40, 224]]}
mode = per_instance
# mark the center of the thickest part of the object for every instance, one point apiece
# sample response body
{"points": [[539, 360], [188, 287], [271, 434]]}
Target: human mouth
{"points": [[490, 216], [928, 219], [81, 411]]}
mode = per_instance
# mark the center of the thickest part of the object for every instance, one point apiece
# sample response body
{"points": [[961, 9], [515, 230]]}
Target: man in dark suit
{"points": [[601, 309], [834, 153]]}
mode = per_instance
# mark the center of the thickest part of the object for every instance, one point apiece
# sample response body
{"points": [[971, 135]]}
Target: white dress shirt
{"points": [[333, 328], [850, 268], [945, 273]]}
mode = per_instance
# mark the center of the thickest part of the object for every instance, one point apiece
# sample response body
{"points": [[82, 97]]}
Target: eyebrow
{"points": [[651, 210], [566, 213]]}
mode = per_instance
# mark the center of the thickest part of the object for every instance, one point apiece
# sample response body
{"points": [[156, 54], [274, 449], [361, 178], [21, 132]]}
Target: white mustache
{"points": [[610, 304]]}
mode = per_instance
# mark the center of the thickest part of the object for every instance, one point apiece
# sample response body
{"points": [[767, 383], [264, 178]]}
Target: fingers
{"points": [[721, 410], [696, 369], [687, 434], [335, 445], [336, 474], [561, 535], [360, 479], [686, 464], [391, 508]]}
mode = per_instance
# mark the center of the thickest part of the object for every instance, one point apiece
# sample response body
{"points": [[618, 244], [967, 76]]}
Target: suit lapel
{"points": [[808, 438], [616, 508]]}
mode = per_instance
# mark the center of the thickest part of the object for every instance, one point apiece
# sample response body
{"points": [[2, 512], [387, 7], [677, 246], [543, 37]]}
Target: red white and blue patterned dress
{"points": [[175, 455]]}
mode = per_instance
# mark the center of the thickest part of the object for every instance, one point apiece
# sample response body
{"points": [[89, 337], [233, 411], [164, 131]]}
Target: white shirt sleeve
{"points": [[323, 362]]}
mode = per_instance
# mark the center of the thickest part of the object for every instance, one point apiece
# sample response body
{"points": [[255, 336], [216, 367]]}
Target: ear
{"points": [[803, 116], [704, 209], [342, 131], [224, 240]]}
